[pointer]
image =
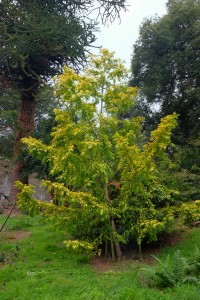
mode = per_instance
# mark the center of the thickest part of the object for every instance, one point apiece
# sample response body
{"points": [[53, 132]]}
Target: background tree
{"points": [[9, 111], [143, 109], [9, 105], [166, 64], [36, 39]]}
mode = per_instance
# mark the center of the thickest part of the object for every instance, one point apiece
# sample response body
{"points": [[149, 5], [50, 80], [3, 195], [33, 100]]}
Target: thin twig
{"points": [[8, 217]]}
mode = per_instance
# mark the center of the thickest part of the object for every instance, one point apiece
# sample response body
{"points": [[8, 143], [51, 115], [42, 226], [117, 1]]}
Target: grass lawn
{"points": [[34, 265]]}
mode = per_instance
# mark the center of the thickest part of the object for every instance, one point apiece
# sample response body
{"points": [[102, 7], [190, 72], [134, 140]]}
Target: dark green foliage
{"points": [[38, 37], [44, 117], [143, 109], [9, 105], [166, 65], [186, 178], [188, 158], [32, 47], [188, 185], [172, 271]]}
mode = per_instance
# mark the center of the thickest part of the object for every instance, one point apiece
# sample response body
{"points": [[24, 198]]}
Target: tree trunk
{"points": [[116, 243], [25, 129]]}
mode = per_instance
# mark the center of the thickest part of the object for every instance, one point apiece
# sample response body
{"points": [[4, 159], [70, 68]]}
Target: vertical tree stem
{"points": [[117, 245], [112, 248], [140, 250], [106, 249]]}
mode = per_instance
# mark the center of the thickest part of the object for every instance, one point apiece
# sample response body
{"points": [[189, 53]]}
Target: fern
{"points": [[190, 280], [194, 264], [161, 276], [172, 272], [165, 273], [147, 276], [179, 267]]}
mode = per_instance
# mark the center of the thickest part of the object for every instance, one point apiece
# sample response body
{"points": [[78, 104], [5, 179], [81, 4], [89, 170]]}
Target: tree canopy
{"points": [[38, 37], [166, 63], [108, 185]]}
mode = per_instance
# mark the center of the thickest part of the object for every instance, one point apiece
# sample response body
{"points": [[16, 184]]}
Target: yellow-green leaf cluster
{"points": [[106, 182]]}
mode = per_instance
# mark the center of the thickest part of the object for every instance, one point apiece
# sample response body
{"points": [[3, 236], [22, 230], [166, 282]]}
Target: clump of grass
{"points": [[21, 222]]}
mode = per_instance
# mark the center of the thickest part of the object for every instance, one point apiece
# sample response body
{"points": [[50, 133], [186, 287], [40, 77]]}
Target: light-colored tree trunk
{"points": [[114, 240]]}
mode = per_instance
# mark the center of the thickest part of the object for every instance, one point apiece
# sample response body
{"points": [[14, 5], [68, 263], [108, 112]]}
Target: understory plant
{"points": [[107, 182], [172, 271]]}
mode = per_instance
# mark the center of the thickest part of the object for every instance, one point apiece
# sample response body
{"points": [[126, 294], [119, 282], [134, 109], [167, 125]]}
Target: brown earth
{"points": [[14, 235], [7, 210], [102, 265]]}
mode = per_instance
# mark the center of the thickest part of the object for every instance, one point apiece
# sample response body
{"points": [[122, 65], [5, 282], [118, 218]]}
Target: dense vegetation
{"points": [[165, 64], [110, 185]]}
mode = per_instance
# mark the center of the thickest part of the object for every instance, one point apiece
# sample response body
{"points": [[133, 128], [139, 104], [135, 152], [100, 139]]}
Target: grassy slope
{"points": [[38, 267]]}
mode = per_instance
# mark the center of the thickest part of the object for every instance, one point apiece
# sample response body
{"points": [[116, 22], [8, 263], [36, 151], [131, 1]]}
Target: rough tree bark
{"points": [[25, 128]]}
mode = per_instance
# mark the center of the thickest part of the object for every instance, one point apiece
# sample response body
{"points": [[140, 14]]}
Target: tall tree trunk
{"points": [[25, 128]]}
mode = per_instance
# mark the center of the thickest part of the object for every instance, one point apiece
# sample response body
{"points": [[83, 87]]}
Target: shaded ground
{"points": [[166, 240], [15, 211], [14, 235], [101, 265]]}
